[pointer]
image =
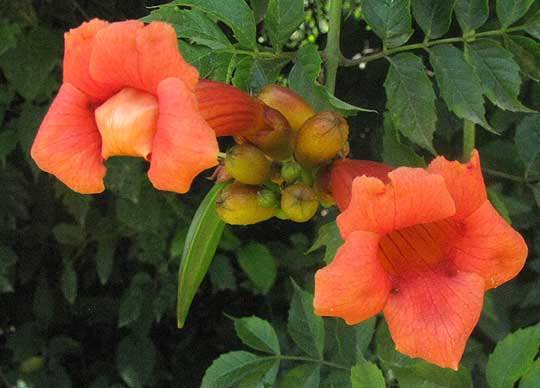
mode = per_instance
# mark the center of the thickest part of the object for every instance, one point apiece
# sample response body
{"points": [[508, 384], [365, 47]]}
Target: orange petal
{"points": [[131, 54], [354, 286], [413, 196], [184, 144], [228, 110], [78, 48], [68, 144], [464, 181], [343, 173], [432, 315], [487, 245]]}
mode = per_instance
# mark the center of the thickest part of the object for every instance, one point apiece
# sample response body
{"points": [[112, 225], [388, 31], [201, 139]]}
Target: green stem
{"points": [[426, 44], [259, 54], [500, 174], [307, 359], [81, 10], [332, 50], [469, 135]]}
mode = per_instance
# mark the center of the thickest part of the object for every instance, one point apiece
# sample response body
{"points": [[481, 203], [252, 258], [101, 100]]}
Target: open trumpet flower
{"points": [[422, 246], [127, 91]]}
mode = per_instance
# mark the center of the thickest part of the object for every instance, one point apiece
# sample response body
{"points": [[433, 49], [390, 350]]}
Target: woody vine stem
{"points": [[332, 51], [428, 43]]}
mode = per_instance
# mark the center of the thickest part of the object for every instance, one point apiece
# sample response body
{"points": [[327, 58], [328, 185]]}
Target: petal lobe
{"points": [[68, 144]]}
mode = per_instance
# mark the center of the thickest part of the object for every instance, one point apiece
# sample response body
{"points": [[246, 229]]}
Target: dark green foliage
{"points": [[88, 284]]}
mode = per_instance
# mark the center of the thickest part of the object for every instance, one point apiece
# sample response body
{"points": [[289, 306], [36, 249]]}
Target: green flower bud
{"points": [[267, 199], [247, 164], [290, 171], [299, 202]]}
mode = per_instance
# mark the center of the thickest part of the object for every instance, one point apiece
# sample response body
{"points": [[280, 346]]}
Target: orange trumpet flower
{"points": [[422, 246], [127, 91]]}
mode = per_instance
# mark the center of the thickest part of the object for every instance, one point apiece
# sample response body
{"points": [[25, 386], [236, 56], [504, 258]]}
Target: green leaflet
{"points": [[305, 328], [433, 16], [460, 86], [233, 367], [366, 374], [513, 357], [471, 14], [498, 73], [411, 100], [201, 243], [510, 11], [257, 334], [282, 19], [527, 53], [235, 13], [390, 19]]}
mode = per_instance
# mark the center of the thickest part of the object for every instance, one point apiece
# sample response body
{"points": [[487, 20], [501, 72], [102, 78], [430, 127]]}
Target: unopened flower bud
{"points": [[323, 187], [276, 139], [321, 138], [295, 109], [247, 164], [228, 110], [267, 199], [290, 171], [343, 173], [237, 204], [299, 202], [306, 177]]}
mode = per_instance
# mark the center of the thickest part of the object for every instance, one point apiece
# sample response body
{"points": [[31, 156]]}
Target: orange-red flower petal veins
{"points": [[78, 48], [413, 196], [68, 144], [131, 54], [483, 241], [343, 173], [432, 315], [486, 245], [354, 286], [441, 244], [184, 144], [229, 110]]}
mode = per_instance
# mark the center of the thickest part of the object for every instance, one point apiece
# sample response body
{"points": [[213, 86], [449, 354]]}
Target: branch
{"points": [[332, 50], [426, 44]]}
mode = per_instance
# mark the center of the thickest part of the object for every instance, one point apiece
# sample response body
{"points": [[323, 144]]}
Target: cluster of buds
{"points": [[280, 167]]}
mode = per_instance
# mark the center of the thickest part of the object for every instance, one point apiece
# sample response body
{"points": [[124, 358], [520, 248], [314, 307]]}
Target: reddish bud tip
{"points": [[295, 109]]}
